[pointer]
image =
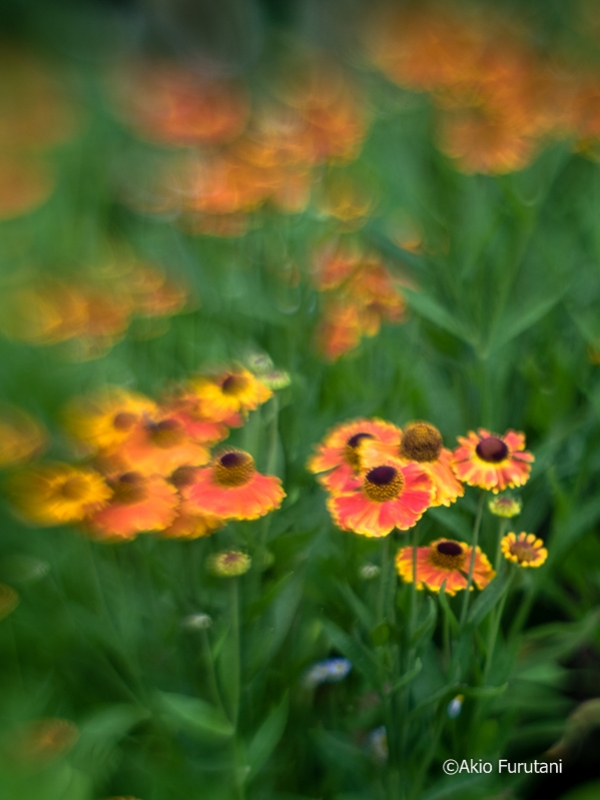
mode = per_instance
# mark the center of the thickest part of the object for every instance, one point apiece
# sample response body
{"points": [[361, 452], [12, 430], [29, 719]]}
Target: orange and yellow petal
{"points": [[444, 560], [447, 488], [358, 512], [492, 462], [106, 418], [233, 392], [189, 524], [57, 493], [339, 454], [524, 549], [158, 448], [231, 488], [139, 504]]}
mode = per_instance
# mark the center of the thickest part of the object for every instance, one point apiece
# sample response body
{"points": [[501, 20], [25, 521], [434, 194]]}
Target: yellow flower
{"points": [[57, 493], [525, 549]]}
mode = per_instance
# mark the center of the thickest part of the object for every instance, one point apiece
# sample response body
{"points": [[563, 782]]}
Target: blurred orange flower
{"points": [[21, 437], [444, 561]]}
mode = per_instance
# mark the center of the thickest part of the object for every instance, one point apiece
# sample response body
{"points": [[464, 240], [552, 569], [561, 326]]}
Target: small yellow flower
{"points": [[230, 563], [505, 506], [525, 549]]}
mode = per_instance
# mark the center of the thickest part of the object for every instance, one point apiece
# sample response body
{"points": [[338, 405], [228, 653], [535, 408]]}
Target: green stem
{"points": [[494, 628], [501, 531], [465, 608], [235, 632]]}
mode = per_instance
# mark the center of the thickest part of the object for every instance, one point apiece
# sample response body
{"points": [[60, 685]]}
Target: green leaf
{"points": [[448, 613], [488, 598], [428, 624], [355, 652], [362, 612], [267, 737], [408, 677], [430, 309], [193, 714], [484, 691]]}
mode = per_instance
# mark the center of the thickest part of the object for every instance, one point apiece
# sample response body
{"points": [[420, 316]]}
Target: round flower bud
{"points": [[197, 622], [230, 563], [369, 571], [505, 506]]}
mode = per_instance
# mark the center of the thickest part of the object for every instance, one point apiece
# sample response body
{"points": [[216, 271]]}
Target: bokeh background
{"points": [[394, 206]]}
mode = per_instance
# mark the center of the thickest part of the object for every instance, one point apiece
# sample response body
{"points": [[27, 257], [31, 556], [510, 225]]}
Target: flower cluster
{"points": [[252, 155], [380, 478], [498, 96], [149, 465], [359, 294], [93, 315]]}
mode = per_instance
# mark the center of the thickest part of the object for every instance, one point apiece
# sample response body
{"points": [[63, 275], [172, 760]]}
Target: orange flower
{"points": [[391, 495], [106, 418], [233, 392], [157, 447], [41, 741], [337, 460], [422, 443], [231, 488], [186, 408], [170, 104], [444, 560], [138, 504], [57, 493], [189, 524], [524, 549], [492, 462]]}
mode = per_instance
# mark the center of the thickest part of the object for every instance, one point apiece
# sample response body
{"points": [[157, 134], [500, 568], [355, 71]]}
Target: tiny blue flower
{"points": [[331, 670], [455, 706]]}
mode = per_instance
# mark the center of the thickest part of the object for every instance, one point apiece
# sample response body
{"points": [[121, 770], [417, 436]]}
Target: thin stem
{"points": [[210, 668], [465, 608], [494, 628], [501, 531], [235, 632]]}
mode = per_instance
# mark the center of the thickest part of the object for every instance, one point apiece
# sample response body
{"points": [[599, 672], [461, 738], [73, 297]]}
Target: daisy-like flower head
{"points": [[422, 443], [236, 391], [230, 563], [189, 523], [57, 493], [138, 504], [505, 506], [389, 495], [231, 488], [524, 549], [106, 419], [158, 447], [337, 461], [444, 560], [492, 462]]}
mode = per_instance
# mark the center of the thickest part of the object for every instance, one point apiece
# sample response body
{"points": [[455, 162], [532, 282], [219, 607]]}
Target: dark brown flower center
{"points": [[421, 442], [124, 420], [351, 450], [383, 483], [75, 488], [129, 489], [183, 476], [524, 551], [448, 555], [492, 449], [234, 385], [166, 434], [234, 468]]}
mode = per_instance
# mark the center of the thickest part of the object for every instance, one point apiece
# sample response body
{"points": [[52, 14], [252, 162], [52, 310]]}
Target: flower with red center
{"points": [[138, 504], [231, 488], [492, 462], [337, 461], [390, 495], [106, 418], [158, 447], [444, 561], [524, 549], [422, 443], [229, 394], [57, 493]]}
